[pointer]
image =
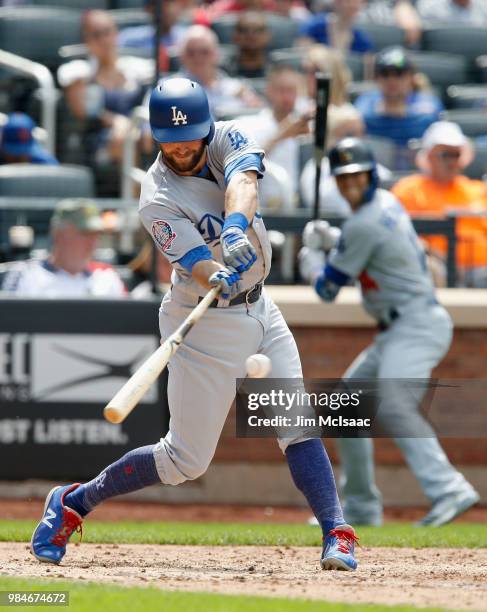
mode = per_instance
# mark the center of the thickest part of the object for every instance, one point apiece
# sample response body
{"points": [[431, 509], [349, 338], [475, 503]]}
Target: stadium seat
{"points": [[462, 39], [383, 35], [466, 96], [33, 180], [75, 4], [355, 63], [127, 18], [37, 32], [289, 57], [478, 168], [384, 150], [472, 122], [128, 4], [283, 29], [442, 69], [481, 64]]}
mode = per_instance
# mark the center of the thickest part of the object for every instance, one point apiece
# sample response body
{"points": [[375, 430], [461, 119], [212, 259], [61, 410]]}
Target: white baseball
{"points": [[258, 366]]}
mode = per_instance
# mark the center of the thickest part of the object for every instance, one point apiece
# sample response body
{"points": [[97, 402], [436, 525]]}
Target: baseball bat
{"points": [[323, 82], [125, 400]]}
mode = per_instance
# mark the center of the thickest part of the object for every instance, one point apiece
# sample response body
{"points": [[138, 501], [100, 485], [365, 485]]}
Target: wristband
{"points": [[236, 220]]}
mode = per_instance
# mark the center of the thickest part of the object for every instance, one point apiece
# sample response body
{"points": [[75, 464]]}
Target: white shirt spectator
{"points": [[262, 128], [39, 278], [447, 12], [136, 70]]}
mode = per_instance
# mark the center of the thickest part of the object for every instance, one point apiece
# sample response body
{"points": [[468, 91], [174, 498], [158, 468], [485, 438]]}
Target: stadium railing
{"points": [[37, 211], [48, 93]]}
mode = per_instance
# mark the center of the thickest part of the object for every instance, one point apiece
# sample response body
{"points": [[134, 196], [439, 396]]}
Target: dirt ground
{"points": [[446, 578]]}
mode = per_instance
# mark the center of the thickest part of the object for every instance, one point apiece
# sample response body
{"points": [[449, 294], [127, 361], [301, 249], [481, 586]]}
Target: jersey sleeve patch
{"points": [[163, 234]]}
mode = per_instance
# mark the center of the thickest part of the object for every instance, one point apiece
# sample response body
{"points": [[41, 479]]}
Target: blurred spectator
{"points": [[320, 58], [453, 12], [277, 127], [69, 270], [251, 38], [142, 36], [398, 110], [18, 144], [141, 267], [199, 57], [105, 88], [444, 153], [343, 121], [400, 13], [337, 29]]}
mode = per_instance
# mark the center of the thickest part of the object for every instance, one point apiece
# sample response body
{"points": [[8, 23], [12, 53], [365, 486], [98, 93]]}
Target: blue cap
{"points": [[17, 135]]}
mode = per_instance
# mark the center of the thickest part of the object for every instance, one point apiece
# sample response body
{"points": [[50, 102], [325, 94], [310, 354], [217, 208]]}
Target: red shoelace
{"points": [[346, 539], [70, 522]]}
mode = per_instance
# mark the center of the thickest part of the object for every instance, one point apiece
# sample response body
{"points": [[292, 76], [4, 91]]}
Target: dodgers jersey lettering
{"points": [[185, 212], [380, 247]]}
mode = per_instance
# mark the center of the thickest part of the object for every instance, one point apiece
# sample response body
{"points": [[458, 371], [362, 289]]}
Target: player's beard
{"points": [[186, 164]]}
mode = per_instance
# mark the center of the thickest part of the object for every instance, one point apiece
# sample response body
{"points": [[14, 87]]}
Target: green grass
{"points": [[90, 597], [470, 535]]}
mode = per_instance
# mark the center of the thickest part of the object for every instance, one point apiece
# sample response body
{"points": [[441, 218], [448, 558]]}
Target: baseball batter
{"points": [[379, 247], [199, 201]]}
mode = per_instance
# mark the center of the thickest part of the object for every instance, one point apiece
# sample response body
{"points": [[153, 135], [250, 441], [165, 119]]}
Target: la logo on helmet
{"points": [[178, 116]]}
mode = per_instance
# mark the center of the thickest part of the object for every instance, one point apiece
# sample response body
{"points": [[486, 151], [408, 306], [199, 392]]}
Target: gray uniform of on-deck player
{"points": [[183, 213], [379, 246]]}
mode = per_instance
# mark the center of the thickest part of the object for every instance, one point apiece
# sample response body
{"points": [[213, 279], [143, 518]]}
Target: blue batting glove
{"points": [[237, 250], [228, 280]]}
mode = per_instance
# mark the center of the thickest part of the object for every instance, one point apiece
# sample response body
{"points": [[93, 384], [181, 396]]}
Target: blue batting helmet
{"points": [[179, 111]]}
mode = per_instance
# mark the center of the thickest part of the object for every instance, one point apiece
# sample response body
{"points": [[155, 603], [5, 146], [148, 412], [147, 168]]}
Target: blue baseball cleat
{"points": [[338, 549], [48, 543]]}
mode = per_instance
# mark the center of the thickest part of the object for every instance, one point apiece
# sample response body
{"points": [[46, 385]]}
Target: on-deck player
{"points": [[199, 201], [379, 247]]}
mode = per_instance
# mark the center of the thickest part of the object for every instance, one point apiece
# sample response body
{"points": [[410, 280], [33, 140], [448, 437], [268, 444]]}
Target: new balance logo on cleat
{"points": [[50, 514]]}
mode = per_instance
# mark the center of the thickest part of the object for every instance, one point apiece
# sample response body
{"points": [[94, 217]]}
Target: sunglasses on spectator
{"points": [[196, 52], [100, 33], [251, 29], [445, 155], [389, 72]]}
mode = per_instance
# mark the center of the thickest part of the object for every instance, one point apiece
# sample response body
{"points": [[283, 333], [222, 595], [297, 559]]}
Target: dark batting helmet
{"points": [[352, 155], [179, 111]]}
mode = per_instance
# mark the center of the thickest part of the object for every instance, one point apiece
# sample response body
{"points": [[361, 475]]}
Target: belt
{"points": [[393, 315], [248, 297]]}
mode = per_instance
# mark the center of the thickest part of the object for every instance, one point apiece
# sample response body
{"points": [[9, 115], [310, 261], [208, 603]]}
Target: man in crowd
{"points": [[18, 144], [396, 109], [142, 37], [440, 186], [251, 38], [68, 271], [199, 56], [277, 127]]}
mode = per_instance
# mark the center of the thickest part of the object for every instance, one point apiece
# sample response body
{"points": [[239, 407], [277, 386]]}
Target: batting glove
{"points": [[319, 234], [228, 280], [311, 264], [237, 250]]}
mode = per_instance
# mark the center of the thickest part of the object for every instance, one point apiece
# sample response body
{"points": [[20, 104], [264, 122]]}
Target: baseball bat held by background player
{"points": [[323, 82]]}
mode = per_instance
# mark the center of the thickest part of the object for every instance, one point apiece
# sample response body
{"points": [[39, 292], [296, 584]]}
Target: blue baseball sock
{"points": [[313, 476], [135, 470]]}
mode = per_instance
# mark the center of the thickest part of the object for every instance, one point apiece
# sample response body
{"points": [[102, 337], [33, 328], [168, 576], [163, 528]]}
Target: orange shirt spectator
{"points": [[441, 187]]}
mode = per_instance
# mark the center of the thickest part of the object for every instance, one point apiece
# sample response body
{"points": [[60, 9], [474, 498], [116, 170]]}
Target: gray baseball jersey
{"points": [[380, 248], [185, 212]]}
